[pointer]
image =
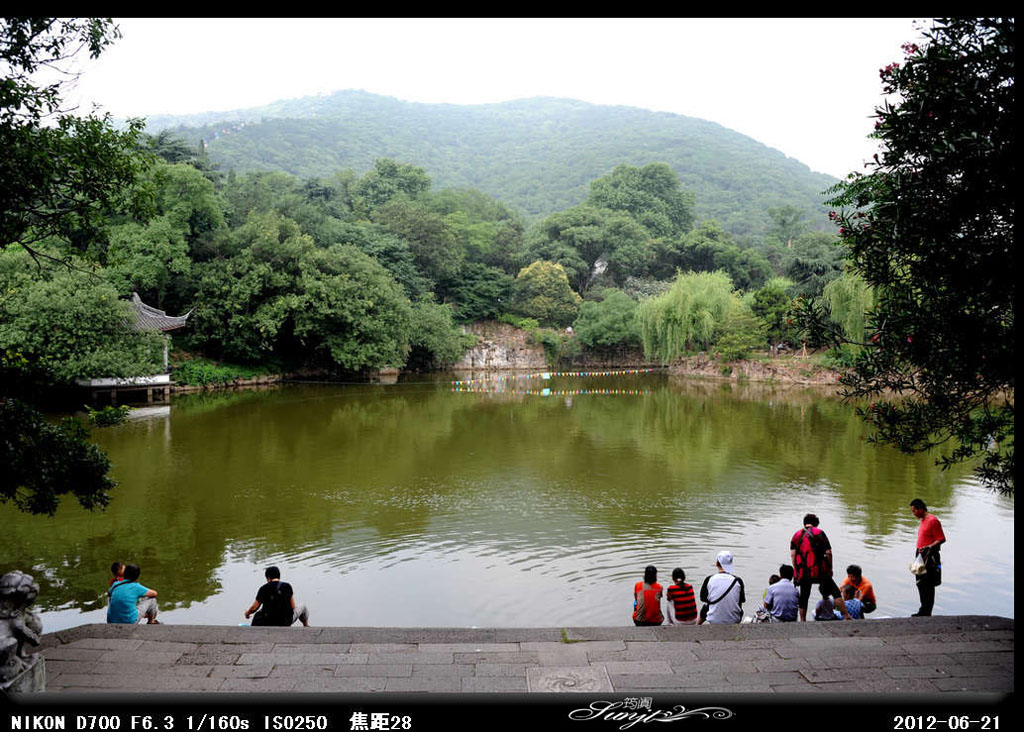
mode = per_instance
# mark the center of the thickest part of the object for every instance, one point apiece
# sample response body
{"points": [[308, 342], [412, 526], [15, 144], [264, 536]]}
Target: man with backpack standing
{"points": [[811, 553]]}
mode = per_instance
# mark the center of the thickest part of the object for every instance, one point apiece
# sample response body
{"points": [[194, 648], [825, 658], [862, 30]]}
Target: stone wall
{"points": [[500, 347]]}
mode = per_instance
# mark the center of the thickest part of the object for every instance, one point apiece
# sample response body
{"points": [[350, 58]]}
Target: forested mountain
{"points": [[536, 155]]}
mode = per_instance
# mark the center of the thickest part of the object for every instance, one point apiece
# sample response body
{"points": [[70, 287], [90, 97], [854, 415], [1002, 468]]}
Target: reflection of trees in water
{"points": [[808, 439], [365, 470]]}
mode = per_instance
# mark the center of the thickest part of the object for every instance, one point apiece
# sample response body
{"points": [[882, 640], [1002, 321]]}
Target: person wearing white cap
{"points": [[722, 593]]}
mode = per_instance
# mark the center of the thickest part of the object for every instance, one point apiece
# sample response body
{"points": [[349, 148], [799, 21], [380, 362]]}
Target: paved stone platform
{"points": [[887, 656]]}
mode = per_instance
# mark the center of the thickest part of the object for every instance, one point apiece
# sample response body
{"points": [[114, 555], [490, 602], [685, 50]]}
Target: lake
{"points": [[513, 502]]}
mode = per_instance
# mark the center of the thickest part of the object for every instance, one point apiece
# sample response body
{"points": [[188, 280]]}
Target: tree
{"points": [[70, 324], [239, 311], [430, 239], [651, 195], [173, 149], [349, 312], [687, 316], [481, 293], [434, 341], [849, 299], [813, 261], [772, 304], [152, 257], [709, 248], [609, 322], [390, 251], [60, 175], [587, 241], [282, 297], [931, 228], [60, 178], [389, 179], [787, 224], [146, 259], [742, 332], [542, 291], [42, 461]]}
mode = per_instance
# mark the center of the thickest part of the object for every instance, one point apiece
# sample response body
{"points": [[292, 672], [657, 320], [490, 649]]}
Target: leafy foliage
{"points": [[931, 228], [60, 175], [742, 332], [204, 372], [651, 195], [813, 261], [687, 316], [108, 416], [850, 300], [42, 461], [435, 342], [709, 247], [481, 293], [283, 297], [773, 304], [609, 322], [542, 291], [72, 325]]}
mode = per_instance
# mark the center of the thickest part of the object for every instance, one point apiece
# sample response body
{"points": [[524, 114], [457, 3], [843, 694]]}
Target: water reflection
{"points": [[411, 504]]}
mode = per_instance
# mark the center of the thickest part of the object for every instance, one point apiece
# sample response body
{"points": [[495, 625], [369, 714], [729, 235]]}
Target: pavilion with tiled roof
{"points": [[147, 319]]}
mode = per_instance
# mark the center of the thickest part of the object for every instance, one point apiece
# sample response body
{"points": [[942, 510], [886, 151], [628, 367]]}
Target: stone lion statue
{"points": [[18, 624]]}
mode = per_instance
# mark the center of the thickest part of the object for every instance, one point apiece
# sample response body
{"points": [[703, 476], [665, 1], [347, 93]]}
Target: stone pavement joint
{"points": [[957, 654]]}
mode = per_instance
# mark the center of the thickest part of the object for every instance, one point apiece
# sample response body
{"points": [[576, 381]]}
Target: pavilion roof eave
{"points": [[148, 318]]}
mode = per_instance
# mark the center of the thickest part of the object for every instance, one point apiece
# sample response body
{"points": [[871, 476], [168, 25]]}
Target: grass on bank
{"points": [[191, 370]]}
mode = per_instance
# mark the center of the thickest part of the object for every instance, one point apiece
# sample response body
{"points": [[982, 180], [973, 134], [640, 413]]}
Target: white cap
{"points": [[724, 559]]}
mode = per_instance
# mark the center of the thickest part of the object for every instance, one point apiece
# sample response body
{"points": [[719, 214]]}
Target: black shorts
{"points": [[827, 583]]}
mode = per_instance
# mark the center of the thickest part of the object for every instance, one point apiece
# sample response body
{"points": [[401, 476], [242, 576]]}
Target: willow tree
{"points": [[686, 317], [849, 300]]}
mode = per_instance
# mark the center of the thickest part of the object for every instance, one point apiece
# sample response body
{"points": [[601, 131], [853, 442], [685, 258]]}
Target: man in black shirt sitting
{"points": [[275, 603]]}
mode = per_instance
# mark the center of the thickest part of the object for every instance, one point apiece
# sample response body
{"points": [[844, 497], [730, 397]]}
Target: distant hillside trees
{"points": [[537, 156]]}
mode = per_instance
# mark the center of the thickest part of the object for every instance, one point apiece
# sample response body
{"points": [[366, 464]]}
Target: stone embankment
{"points": [[500, 347], [261, 380], [786, 369], [904, 656]]}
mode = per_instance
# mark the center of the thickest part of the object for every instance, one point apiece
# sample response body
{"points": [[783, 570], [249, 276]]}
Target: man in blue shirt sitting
{"points": [[125, 596], [783, 598]]}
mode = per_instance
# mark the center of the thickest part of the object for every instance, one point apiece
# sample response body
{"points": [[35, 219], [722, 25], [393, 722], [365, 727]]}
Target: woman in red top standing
{"points": [[647, 599]]}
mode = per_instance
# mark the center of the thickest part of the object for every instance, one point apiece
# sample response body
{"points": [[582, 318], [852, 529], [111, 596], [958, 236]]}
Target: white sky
{"points": [[803, 86]]}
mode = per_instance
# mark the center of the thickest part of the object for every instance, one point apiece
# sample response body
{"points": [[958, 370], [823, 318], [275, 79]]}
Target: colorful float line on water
{"points": [[547, 375], [551, 392]]}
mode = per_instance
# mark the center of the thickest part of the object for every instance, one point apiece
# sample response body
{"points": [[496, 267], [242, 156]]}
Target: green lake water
{"points": [[416, 504]]}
